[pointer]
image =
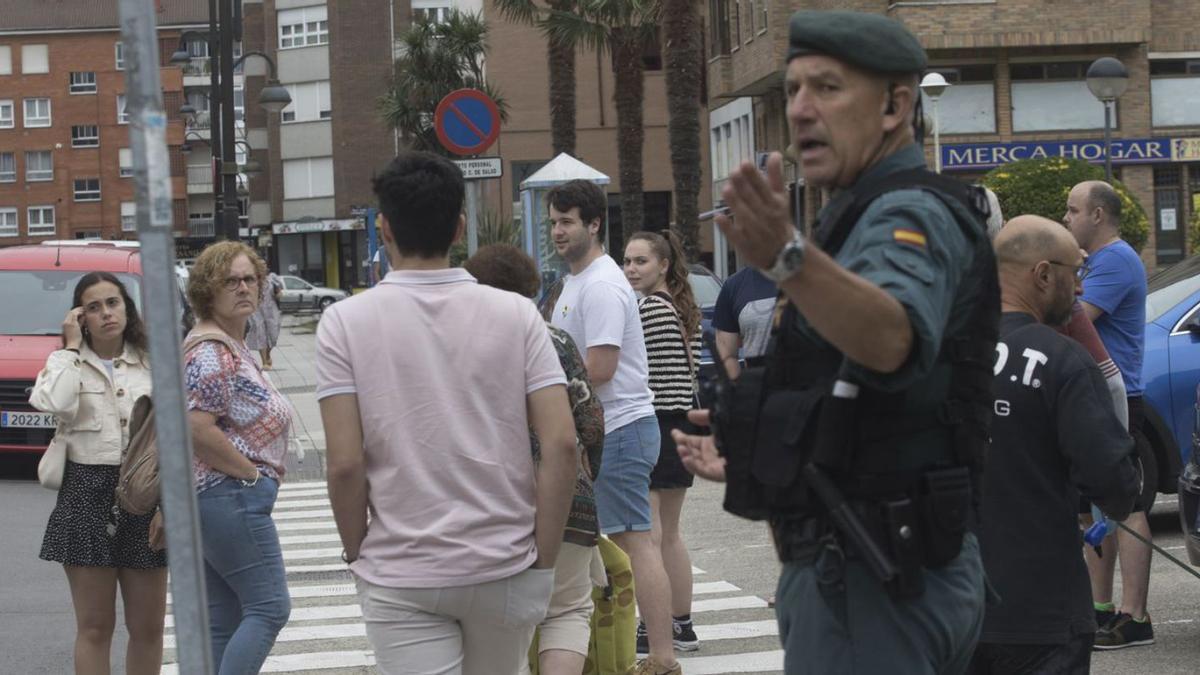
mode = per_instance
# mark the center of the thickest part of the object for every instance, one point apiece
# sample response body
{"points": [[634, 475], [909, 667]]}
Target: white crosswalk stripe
{"points": [[325, 632]]}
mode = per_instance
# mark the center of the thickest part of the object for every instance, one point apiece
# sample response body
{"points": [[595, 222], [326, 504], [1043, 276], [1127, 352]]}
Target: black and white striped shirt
{"points": [[672, 378]]}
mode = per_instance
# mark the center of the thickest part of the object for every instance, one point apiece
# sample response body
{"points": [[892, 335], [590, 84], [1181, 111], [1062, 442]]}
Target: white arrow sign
{"points": [[484, 167]]}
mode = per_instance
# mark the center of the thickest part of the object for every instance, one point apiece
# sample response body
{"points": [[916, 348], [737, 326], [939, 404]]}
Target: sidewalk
{"points": [[295, 375]]}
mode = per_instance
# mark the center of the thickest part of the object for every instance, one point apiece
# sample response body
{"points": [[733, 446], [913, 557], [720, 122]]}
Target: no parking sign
{"points": [[467, 122]]}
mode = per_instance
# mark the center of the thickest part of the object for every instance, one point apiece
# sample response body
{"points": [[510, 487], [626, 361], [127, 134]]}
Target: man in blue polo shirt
{"points": [[1114, 297]]}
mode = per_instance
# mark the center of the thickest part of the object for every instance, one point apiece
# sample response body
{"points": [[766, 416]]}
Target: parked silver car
{"points": [[299, 295]]}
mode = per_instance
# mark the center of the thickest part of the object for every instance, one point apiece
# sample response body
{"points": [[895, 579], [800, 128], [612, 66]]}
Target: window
{"points": [[305, 178], [719, 40], [303, 27], [750, 16], [310, 101], [433, 11], [239, 104], [39, 165], [8, 167], [83, 83], [198, 48], [122, 113], [1054, 96], [6, 114], [762, 19], [5, 60], [41, 221], [8, 223], [968, 106], [125, 161], [1175, 93], [736, 9], [119, 50], [85, 136], [37, 112], [35, 59], [87, 189], [128, 216]]}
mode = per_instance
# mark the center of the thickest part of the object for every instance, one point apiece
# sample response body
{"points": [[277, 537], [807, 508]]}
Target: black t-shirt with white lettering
{"points": [[1055, 437]]}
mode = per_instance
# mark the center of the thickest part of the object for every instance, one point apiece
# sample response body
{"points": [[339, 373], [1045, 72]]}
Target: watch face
{"points": [[793, 257]]}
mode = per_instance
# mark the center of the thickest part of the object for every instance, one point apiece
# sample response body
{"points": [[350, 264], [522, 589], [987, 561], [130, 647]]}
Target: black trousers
{"points": [[1072, 658]]}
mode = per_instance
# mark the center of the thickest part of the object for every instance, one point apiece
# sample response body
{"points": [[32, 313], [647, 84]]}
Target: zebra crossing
{"points": [[325, 632]]}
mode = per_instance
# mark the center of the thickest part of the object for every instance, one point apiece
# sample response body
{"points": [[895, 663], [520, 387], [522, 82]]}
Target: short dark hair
{"points": [[421, 195], [1104, 197], [506, 267], [585, 195]]}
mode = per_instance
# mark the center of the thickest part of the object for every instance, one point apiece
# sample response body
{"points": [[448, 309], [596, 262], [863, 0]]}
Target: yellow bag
{"points": [[612, 649]]}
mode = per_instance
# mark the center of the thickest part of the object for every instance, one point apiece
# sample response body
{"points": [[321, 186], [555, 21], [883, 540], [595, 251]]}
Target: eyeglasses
{"points": [[232, 283], [1081, 270]]}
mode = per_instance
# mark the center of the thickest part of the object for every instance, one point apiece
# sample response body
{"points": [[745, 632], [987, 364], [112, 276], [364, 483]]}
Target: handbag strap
{"points": [[687, 344], [197, 339]]}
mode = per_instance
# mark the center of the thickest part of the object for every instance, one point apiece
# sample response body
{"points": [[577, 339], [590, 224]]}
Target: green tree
{"points": [[493, 229], [1041, 186], [436, 59], [684, 60], [560, 57]]}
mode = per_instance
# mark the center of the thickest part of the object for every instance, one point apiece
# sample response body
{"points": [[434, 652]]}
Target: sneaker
{"points": [[643, 640], [1104, 617], [685, 636], [648, 667], [1124, 632]]}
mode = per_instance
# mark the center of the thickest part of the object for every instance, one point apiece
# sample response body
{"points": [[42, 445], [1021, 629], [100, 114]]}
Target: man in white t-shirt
{"points": [[598, 309], [429, 384]]}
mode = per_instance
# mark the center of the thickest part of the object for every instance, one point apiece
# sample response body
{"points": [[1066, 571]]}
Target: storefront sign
{"points": [[967, 156], [317, 226], [1185, 149]]}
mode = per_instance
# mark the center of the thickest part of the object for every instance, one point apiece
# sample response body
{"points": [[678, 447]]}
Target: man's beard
{"points": [[576, 251], [1059, 314]]}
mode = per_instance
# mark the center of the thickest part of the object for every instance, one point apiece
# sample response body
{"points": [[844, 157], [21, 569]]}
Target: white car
{"points": [[298, 294]]}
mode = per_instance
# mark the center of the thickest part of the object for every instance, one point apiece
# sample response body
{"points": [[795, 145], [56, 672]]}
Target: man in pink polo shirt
{"points": [[428, 386]]}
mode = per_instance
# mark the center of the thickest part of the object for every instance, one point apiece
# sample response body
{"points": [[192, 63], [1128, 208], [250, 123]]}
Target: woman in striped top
{"points": [[656, 268]]}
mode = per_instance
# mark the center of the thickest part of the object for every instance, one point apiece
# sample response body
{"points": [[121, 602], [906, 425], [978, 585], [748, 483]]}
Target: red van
{"points": [[37, 283]]}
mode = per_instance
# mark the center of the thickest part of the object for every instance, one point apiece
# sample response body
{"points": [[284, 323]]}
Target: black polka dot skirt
{"points": [[86, 531]]}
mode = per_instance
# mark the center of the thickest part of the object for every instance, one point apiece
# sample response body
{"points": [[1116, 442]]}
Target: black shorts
{"points": [[1137, 415], [1072, 658], [669, 472]]}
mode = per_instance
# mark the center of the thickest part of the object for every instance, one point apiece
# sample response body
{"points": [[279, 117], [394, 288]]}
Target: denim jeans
{"points": [[248, 602]]}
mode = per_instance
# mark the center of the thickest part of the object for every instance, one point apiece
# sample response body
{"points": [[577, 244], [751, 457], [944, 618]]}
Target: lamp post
{"points": [[934, 85], [1107, 79]]}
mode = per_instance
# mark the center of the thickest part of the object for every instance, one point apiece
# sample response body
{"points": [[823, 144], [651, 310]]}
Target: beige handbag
{"points": [[137, 489], [53, 464]]}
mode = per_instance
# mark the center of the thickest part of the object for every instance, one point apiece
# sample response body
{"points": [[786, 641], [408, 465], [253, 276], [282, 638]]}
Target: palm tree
{"points": [[684, 61], [437, 58], [625, 28], [560, 57]]}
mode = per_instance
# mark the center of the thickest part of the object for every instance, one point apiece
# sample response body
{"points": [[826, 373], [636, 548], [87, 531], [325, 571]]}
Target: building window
{"points": [[5, 60], [85, 136], [119, 50], [736, 9], [129, 216], [719, 40], [968, 106], [37, 112], [41, 221], [87, 189], [8, 167], [7, 120], [750, 16], [125, 162], [762, 19], [35, 59], [1054, 97], [1175, 93], [433, 11], [310, 102], [122, 113], [39, 165], [305, 178], [83, 83], [8, 223], [303, 27], [239, 104]]}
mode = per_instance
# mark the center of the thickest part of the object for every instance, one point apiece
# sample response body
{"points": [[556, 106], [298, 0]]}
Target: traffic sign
{"points": [[467, 122], [481, 167]]}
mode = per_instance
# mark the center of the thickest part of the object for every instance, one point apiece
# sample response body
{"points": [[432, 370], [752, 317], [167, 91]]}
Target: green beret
{"points": [[872, 42]]}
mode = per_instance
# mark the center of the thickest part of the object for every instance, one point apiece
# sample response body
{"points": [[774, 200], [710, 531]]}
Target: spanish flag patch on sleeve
{"points": [[905, 235]]}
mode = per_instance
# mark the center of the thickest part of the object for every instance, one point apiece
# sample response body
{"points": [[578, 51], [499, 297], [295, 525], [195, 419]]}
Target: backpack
{"points": [[137, 490]]}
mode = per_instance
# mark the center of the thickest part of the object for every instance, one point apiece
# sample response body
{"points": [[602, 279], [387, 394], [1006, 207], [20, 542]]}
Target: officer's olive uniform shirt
{"points": [[908, 243]]}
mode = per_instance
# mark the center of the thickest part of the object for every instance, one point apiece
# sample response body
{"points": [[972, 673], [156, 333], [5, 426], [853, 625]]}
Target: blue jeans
{"points": [[623, 486], [248, 602]]}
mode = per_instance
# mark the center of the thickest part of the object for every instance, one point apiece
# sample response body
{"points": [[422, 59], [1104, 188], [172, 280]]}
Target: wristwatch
{"points": [[789, 260]]}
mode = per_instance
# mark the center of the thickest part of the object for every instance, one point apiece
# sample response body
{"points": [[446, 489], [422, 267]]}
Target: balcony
{"points": [[201, 227], [196, 72], [199, 179]]}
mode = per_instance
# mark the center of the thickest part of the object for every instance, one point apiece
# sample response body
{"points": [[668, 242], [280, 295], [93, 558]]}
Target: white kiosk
{"points": [[535, 218]]}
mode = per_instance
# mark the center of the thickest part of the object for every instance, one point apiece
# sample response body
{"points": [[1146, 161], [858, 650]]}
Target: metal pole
{"points": [[229, 168], [1108, 141], [214, 112], [372, 246], [152, 180], [937, 137], [472, 216]]}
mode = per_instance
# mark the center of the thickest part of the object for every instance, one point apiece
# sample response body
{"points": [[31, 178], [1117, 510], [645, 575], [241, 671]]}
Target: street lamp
{"points": [[273, 97], [1107, 79], [934, 85]]}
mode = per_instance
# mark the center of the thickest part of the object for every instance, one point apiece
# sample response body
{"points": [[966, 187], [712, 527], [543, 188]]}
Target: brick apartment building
{"points": [[322, 151], [1018, 90], [65, 164]]}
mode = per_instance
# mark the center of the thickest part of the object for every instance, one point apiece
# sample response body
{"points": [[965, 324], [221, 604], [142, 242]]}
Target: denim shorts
{"points": [[623, 486]]}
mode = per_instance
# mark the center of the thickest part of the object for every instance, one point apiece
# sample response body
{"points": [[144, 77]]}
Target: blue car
{"points": [[1171, 370]]}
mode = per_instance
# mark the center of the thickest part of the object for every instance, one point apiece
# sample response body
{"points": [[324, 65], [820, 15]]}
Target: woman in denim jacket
{"points": [[90, 386]]}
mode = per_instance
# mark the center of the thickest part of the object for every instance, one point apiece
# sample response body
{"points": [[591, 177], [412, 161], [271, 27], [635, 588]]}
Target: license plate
{"points": [[26, 420]]}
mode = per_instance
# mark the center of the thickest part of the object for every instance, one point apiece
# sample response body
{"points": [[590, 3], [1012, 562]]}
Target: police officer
{"points": [[876, 388]]}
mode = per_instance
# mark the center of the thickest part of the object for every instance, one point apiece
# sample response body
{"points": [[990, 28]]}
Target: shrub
{"points": [[1040, 187]]}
